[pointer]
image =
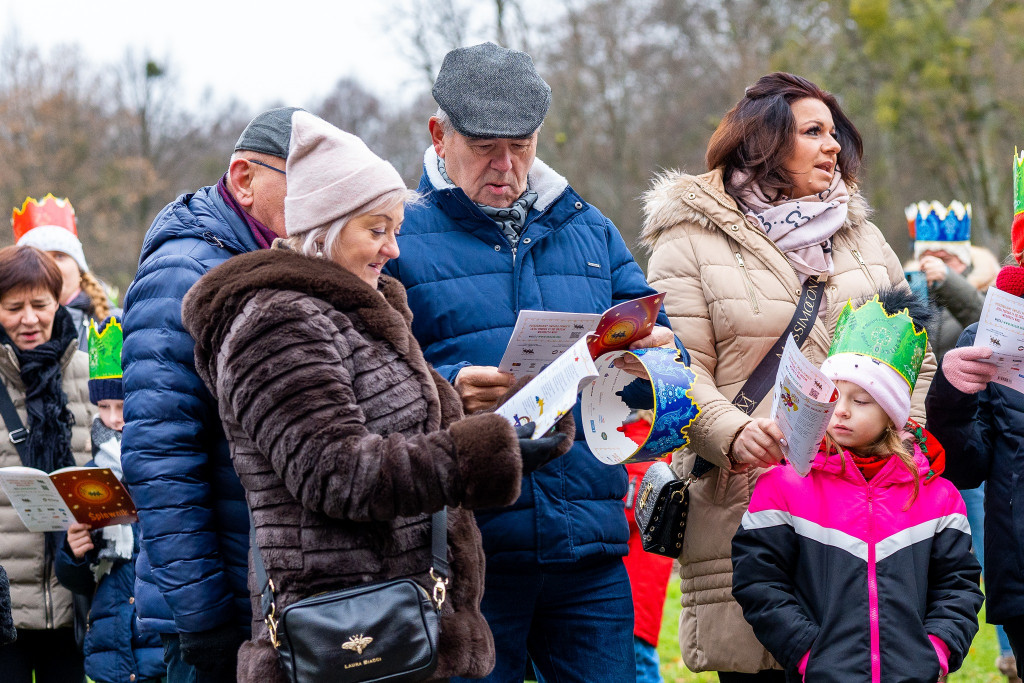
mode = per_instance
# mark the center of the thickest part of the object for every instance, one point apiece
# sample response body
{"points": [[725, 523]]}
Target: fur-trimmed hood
{"points": [[218, 298], [676, 197]]}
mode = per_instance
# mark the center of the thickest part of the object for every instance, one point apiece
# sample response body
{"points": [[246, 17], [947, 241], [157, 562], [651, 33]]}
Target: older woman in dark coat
{"points": [[343, 437]]}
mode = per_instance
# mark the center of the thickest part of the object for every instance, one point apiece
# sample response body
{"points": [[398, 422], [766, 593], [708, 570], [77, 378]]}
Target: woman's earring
{"points": [[319, 250]]}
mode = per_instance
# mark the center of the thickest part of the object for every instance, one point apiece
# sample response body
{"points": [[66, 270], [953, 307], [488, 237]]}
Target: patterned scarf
{"points": [[512, 219], [801, 228]]}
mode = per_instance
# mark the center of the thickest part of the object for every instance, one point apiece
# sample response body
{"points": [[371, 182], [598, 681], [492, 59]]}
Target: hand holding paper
{"points": [[1001, 329], [802, 407], [967, 370]]}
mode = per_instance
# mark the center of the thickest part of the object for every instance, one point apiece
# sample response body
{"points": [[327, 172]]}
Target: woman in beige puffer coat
{"points": [[731, 292], [47, 378]]}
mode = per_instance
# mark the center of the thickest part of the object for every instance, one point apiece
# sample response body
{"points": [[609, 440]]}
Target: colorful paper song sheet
{"points": [[540, 337], [52, 502], [802, 406], [1001, 328], [552, 393]]}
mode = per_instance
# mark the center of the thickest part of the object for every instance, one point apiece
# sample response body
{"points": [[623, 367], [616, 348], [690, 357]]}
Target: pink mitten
{"points": [[964, 369]]}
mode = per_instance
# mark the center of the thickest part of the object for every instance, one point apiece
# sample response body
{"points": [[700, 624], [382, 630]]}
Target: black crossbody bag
{"points": [[385, 631], [662, 499]]}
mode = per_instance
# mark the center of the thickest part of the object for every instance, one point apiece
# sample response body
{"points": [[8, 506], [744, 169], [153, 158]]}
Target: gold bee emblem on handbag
{"points": [[357, 643]]}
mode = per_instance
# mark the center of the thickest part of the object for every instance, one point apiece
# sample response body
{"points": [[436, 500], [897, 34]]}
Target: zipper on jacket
{"points": [[876, 655], [863, 266], [48, 597], [748, 283]]}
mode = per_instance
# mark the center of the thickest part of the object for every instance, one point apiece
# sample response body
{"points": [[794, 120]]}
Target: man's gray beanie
{"points": [[269, 133], [492, 92]]}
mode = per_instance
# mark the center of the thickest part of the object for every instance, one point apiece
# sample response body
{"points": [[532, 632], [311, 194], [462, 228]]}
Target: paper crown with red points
{"points": [[49, 225], [49, 211]]}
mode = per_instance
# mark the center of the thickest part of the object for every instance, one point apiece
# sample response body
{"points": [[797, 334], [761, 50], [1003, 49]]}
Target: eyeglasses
{"points": [[260, 163]]}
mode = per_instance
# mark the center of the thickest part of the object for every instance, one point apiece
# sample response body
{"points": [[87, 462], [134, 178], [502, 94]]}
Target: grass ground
{"points": [[979, 667]]}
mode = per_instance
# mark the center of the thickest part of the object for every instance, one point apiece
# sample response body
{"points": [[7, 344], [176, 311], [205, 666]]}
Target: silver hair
{"points": [[444, 121], [323, 239]]}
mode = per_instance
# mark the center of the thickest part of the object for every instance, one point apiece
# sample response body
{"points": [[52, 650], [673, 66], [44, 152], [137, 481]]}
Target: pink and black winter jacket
{"points": [[841, 584]]}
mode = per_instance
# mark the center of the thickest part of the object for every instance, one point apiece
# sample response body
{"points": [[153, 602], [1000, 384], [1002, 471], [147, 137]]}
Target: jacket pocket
{"points": [[748, 283]]}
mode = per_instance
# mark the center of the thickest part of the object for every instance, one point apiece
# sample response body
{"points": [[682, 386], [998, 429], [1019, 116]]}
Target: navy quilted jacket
{"points": [[466, 289], [115, 649], [195, 524]]}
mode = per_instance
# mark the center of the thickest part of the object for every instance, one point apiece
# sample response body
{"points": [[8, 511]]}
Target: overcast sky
{"points": [[257, 50]]}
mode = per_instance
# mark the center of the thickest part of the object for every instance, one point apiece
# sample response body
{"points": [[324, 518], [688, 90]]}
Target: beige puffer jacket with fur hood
{"points": [[730, 294]]}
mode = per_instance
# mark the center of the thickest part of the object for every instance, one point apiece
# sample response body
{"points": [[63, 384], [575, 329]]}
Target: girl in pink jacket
{"points": [[862, 570]]}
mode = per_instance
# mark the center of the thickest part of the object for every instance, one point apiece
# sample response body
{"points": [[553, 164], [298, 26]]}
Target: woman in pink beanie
{"points": [[345, 440]]}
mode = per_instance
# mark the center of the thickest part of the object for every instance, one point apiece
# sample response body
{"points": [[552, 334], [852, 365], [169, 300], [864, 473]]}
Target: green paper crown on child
{"points": [[105, 350], [889, 339]]}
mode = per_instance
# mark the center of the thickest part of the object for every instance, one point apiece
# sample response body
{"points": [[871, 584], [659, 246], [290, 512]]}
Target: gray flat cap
{"points": [[492, 92], [269, 133]]}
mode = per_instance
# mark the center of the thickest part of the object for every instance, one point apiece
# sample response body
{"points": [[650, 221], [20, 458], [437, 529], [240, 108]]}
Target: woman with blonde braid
{"points": [[50, 225]]}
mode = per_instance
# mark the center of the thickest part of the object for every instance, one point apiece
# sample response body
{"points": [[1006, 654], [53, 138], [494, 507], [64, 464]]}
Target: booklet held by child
{"points": [[802, 407], [53, 502]]}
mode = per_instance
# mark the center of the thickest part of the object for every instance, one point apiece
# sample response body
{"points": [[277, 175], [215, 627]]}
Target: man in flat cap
{"points": [[500, 232], [193, 565]]}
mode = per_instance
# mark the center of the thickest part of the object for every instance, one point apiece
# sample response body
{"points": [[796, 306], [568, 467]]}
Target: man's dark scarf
{"points": [[49, 420]]}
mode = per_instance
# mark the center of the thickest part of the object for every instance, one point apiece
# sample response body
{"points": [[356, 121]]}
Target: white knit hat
{"points": [[330, 173], [55, 238]]}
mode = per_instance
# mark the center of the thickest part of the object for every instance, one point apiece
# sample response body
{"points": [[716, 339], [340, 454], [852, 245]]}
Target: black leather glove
{"points": [[214, 651], [537, 452]]}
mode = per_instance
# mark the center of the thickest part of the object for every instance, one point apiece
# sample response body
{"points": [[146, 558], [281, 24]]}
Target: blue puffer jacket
{"points": [[465, 290], [983, 435], [195, 524], [116, 651]]}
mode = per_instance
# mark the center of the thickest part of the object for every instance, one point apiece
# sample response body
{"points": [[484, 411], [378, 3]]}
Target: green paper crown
{"points": [[105, 350], [1018, 181], [889, 339]]}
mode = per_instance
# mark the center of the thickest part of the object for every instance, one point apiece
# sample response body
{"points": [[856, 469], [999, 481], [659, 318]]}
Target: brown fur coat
{"points": [[345, 441]]}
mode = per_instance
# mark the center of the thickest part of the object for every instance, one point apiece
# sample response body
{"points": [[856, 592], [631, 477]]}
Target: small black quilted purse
{"points": [[662, 501]]}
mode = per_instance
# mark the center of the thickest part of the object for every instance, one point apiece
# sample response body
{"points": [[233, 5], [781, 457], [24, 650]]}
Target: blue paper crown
{"points": [[937, 223]]}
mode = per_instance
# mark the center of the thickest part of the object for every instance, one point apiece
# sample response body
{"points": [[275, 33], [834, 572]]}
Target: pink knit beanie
{"points": [[330, 173]]}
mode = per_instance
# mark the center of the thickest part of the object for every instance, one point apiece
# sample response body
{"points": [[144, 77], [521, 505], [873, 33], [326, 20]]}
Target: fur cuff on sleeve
{"points": [[490, 466]]}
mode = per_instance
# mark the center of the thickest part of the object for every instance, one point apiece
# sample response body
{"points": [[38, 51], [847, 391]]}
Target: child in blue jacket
{"points": [[101, 563]]}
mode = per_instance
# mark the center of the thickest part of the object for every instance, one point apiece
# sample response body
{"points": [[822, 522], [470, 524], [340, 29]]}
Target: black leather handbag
{"points": [[662, 503], [662, 500], [385, 631]]}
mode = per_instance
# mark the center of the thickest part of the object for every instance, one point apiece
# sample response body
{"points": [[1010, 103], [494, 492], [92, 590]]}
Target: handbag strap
{"points": [[16, 431], [762, 378], [438, 570]]}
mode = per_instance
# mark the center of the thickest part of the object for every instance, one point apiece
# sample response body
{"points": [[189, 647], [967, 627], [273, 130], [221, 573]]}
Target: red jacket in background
{"points": [[648, 573]]}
